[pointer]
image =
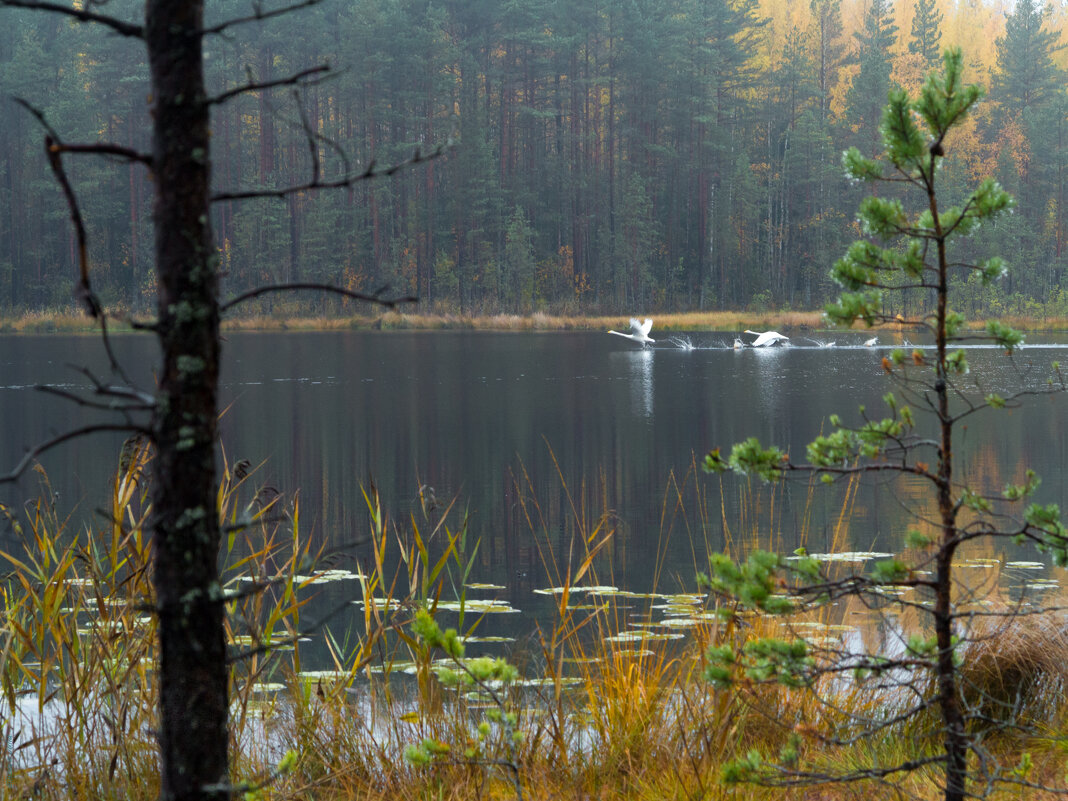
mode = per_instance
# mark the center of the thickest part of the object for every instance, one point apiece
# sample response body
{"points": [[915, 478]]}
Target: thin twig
{"points": [[44, 447], [348, 180], [82, 15], [259, 86], [331, 288], [258, 16]]}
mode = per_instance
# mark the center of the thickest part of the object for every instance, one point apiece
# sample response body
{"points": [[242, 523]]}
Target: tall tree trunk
{"points": [[193, 690], [955, 737]]}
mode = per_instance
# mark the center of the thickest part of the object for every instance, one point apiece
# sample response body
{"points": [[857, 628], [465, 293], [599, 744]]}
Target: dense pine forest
{"points": [[599, 155]]}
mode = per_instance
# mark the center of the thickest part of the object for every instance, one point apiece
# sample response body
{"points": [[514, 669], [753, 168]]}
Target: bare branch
{"points": [[348, 180], [53, 152], [375, 297], [258, 86], [34, 453], [104, 406], [82, 15], [107, 149], [258, 15], [311, 136]]}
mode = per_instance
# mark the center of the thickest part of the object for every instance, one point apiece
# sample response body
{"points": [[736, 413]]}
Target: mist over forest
{"points": [[598, 155]]}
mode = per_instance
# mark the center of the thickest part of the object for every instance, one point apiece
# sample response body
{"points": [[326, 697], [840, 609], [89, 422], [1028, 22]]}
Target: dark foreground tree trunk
{"points": [[193, 702]]}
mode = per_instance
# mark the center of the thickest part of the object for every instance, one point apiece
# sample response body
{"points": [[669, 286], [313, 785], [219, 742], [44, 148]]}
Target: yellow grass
{"points": [[67, 321], [639, 722]]}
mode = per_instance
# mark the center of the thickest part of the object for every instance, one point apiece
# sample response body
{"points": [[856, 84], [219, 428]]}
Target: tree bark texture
{"points": [[193, 676]]}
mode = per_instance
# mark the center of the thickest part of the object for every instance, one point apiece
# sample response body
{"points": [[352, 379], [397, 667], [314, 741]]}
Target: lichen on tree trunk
{"points": [[193, 702]]}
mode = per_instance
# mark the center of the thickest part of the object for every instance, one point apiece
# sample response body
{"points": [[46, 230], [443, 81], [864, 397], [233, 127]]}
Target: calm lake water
{"points": [[582, 423]]}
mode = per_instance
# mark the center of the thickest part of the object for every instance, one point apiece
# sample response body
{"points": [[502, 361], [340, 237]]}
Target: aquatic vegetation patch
{"points": [[642, 636], [477, 606], [844, 556]]}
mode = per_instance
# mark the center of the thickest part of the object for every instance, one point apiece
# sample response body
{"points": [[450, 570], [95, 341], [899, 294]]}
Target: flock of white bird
{"points": [[640, 330]]}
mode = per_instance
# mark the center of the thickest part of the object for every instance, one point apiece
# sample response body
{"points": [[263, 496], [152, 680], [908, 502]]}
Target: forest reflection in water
{"points": [[539, 436]]}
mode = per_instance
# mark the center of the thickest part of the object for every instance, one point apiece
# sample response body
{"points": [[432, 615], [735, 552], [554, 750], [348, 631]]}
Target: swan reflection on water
{"points": [[640, 379]]}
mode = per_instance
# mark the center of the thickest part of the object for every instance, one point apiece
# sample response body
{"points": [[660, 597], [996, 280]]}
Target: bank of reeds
{"points": [[67, 321], [613, 709]]}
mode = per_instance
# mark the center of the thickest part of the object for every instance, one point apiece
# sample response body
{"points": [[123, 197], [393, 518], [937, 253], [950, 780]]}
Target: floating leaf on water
{"points": [[314, 578], [678, 610], [319, 675], [280, 643], [979, 563], [409, 717], [1039, 584], [565, 681], [606, 590], [684, 598], [396, 667], [474, 638], [268, 687], [381, 604], [476, 585], [648, 596], [328, 576], [681, 622], [477, 607], [642, 636], [1026, 565], [844, 556]]}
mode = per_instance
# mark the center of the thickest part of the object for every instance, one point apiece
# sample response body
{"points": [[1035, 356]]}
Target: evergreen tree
{"points": [[827, 24], [1026, 74], [1028, 86], [868, 93], [923, 675], [926, 33]]}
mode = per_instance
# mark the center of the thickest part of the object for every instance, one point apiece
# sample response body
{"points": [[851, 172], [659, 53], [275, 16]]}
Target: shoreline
{"points": [[69, 322]]}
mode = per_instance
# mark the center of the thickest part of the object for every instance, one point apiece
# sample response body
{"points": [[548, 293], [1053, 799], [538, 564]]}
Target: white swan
{"points": [[767, 338], [868, 343], [639, 331]]}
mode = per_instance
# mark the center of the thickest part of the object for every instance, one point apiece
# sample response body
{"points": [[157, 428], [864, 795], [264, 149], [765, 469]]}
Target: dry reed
{"points": [[610, 717]]}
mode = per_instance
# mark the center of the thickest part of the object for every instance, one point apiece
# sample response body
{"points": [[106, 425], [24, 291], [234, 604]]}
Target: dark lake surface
{"points": [[583, 424]]}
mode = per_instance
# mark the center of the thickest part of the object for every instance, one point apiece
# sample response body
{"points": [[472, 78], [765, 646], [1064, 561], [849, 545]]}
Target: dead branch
{"points": [[88, 403], [259, 86], [375, 297], [107, 149], [258, 15], [120, 27], [39, 450], [348, 180]]}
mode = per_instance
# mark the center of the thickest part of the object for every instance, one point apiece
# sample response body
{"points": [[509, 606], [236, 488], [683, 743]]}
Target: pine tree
{"points": [[867, 95], [1026, 74], [926, 33], [925, 677]]}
